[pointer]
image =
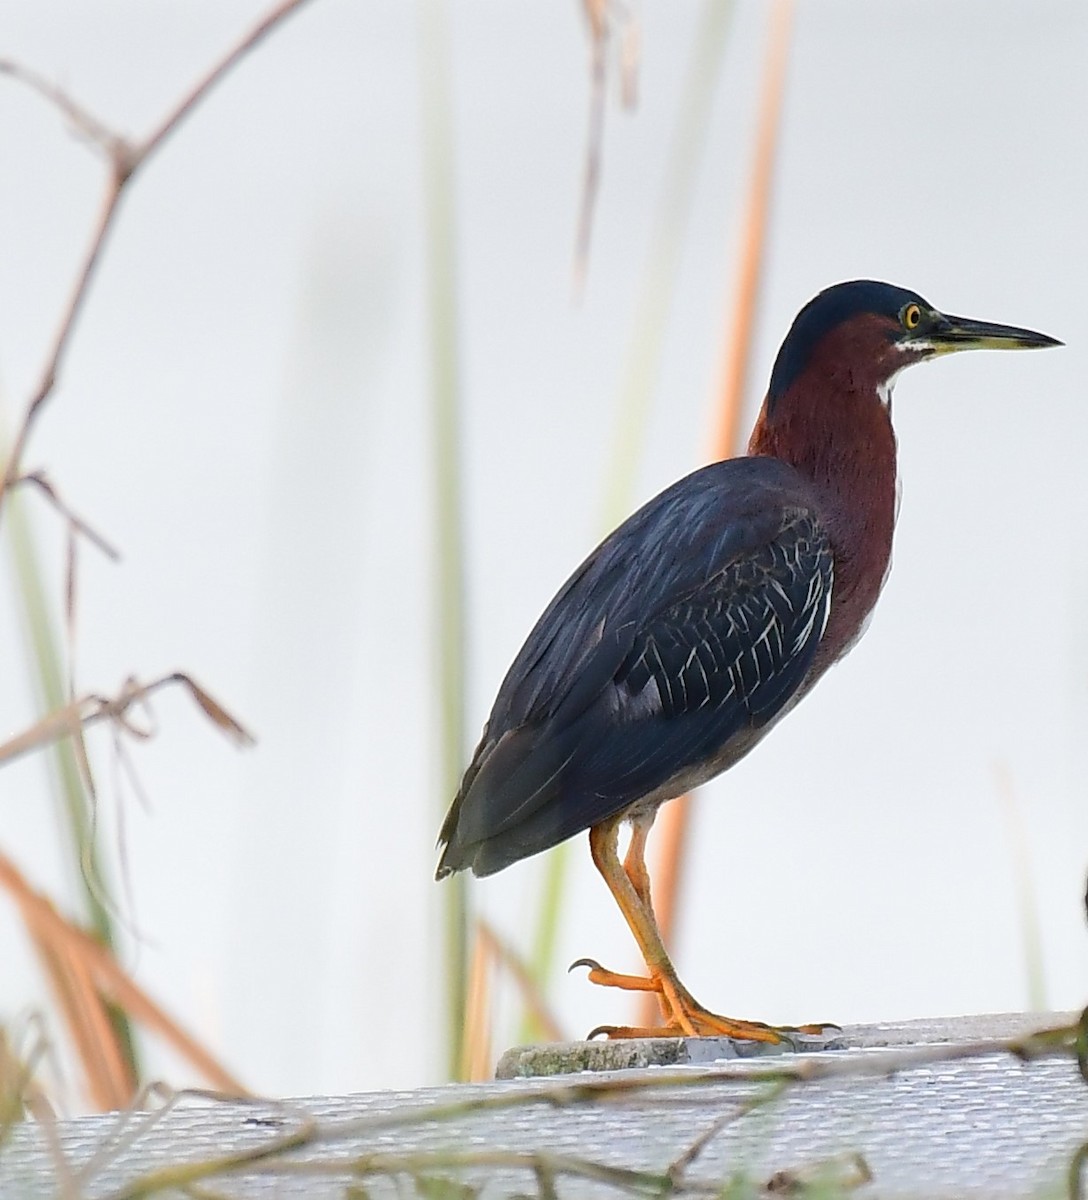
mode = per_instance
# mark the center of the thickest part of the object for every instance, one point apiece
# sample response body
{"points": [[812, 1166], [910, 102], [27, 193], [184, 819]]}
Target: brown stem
{"points": [[126, 158]]}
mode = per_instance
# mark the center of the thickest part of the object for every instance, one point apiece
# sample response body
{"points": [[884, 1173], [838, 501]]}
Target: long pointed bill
{"points": [[962, 333]]}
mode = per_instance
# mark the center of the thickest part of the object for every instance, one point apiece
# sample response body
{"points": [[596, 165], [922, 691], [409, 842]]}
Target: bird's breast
{"points": [[861, 529]]}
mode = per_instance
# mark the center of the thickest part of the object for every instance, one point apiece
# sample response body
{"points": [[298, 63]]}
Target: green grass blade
{"points": [[446, 419]]}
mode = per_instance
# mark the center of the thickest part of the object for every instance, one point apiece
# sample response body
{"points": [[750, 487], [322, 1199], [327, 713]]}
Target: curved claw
{"points": [[628, 1031], [591, 963]]}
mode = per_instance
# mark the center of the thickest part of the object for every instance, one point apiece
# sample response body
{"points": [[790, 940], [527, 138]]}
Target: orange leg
{"points": [[634, 865], [629, 883]]}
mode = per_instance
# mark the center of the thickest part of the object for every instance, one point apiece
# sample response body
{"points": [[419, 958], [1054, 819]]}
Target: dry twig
{"points": [[88, 710], [76, 523], [605, 18], [82, 970], [125, 158]]}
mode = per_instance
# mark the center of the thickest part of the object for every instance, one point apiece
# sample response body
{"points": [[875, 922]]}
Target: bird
{"points": [[703, 619]]}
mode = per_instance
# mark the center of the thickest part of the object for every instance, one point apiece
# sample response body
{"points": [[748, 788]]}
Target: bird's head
{"points": [[858, 336]]}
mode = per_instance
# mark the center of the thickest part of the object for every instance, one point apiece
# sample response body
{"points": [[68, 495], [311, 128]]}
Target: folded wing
{"points": [[687, 629]]}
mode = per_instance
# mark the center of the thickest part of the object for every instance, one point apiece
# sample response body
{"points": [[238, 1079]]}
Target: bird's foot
{"points": [[683, 1015]]}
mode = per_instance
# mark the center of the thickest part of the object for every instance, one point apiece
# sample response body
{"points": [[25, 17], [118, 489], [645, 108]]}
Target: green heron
{"points": [[703, 619]]}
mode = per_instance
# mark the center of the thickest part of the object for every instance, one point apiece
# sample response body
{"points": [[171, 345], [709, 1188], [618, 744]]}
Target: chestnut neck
{"points": [[833, 426]]}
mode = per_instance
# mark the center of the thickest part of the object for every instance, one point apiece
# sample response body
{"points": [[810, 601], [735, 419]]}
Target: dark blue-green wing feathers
{"points": [[689, 627]]}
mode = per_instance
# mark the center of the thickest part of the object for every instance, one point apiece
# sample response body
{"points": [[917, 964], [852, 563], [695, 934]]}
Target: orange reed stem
{"points": [[476, 1046]]}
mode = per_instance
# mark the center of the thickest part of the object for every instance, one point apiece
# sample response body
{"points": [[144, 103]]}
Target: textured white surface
{"points": [[988, 1126]]}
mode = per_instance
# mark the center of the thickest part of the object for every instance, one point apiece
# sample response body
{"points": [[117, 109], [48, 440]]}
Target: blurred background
{"points": [[247, 413]]}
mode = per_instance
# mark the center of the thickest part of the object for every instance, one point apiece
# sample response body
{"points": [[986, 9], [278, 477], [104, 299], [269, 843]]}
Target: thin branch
{"points": [[74, 718], [679, 1167], [42, 483], [835, 1175], [84, 121], [55, 355], [274, 17], [601, 17], [125, 157], [80, 980], [544, 1164]]}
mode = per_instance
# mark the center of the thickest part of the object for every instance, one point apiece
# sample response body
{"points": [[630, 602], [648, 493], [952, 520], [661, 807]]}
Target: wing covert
{"points": [[724, 660], [744, 634]]}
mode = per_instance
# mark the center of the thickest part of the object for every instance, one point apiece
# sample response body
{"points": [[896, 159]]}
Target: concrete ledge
{"points": [[564, 1058]]}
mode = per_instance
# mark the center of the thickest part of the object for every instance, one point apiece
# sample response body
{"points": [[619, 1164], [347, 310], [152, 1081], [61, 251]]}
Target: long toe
{"points": [[605, 978], [708, 1024], [703, 1025]]}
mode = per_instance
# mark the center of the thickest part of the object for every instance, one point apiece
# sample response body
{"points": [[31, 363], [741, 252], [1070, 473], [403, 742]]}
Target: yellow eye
{"points": [[911, 316]]}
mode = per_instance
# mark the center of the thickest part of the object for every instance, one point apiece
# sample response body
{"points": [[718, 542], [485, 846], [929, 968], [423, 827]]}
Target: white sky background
{"points": [[244, 413]]}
